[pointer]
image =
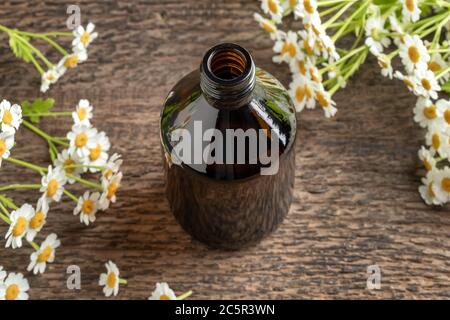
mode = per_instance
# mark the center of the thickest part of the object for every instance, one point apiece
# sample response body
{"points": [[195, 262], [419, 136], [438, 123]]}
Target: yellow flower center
{"points": [[71, 61], [111, 280], [309, 51], [427, 165], [293, 3], [408, 83], [300, 94], [268, 27], [7, 117], [95, 153], [430, 112], [81, 140], [435, 141], [50, 77], [84, 39], [112, 189], [410, 5], [88, 206], [19, 227], [324, 103], [308, 7], [38, 220], [273, 7], [45, 254], [289, 48], [2, 147], [426, 84], [52, 187], [430, 190], [302, 67], [314, 76], [82, 113], [445, 183], [67, 163], [434, 66], [446, 117], [414, 54], [164, 297], [12, 292], [108, 173]]}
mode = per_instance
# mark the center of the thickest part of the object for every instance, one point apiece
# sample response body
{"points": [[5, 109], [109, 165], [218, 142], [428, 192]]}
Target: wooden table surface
{"points": [[356, 199]]}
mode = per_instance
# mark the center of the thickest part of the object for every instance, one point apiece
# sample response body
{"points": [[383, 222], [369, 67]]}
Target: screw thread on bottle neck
{"points": [[227, 76]]}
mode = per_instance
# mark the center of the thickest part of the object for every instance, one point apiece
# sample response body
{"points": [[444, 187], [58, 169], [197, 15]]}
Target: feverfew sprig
{"points": [[23, 46], [420, 33], [83, 149]]}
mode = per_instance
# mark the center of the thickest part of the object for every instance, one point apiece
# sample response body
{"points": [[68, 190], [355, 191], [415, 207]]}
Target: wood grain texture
{"points": [[356, 200]]}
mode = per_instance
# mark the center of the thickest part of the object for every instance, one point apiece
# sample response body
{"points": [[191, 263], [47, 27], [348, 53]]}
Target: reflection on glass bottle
{"points": [[227, 134]]}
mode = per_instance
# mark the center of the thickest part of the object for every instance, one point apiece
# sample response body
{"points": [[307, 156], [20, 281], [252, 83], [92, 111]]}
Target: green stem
{"points": [[5, 218], [350, 19], [35, 50], [443, 73], [86, 182], [27, 165], [70, 195], [348, 55], [43, 134], [34, 245], [20, 186], [185, 295], [123, 281], [5, 211], [338, 15], [48, 114]]}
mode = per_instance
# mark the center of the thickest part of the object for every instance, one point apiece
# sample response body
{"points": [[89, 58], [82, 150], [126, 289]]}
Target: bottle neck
{"points": [[227, 76]]}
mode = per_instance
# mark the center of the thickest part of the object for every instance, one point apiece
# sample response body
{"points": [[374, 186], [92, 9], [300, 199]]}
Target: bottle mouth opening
{"points": [[228, 63]]}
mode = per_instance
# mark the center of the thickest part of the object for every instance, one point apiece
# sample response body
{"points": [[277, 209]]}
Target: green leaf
{"points": [[32, 110], [19, 49], [7, 202]]}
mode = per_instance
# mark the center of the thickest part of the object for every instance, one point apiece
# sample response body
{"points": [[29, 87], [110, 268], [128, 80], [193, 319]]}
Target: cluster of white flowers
{"points": [[83, 37], [10, 119], [88, 151], [110, 281], [302, 50], [425, 70], [13, 286]]}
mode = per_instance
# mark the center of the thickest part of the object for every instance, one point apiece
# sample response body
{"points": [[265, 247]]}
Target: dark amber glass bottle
{"points": [[225, 187]]}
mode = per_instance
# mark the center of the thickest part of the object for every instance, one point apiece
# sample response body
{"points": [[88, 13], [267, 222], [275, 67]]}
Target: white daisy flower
{"points": [[10, 116], [163, 292], [329, 49], [427, 83], [53, 184], [98, 155], [302, 93], [396, 27], [45, 254], [409, 80], [84, 37], [18, 228], [112, 166], [287, 48], [51, 77], [444, 109], [428, 189], [375, 38], [110, 280], [425, 112], [442, 184], [307, 10], [301, 67], [38, 219], [110, 187], [414, 54], [83, 113], [15, 287], [273, 8], [87, 207], [268, 26], [427, 159], [81, 140], [324, 99], [72, 60], [308, 45], [436, 64], [2, 275], [385, 64], [6, 144], [410, 11], [65, 160], [438, 140]]}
